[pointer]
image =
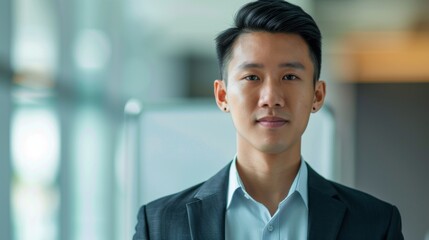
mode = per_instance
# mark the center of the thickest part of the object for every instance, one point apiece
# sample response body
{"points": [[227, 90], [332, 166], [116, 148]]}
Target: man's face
{"points": [[270, 91]]}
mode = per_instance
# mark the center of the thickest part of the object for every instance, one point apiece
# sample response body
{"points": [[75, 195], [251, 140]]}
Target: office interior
{"points": [[76, 77]]}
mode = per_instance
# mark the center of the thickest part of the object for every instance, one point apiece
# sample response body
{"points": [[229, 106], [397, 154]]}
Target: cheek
{"points": [[239, 98], [241, 107], [302, 103], [306, 102]]}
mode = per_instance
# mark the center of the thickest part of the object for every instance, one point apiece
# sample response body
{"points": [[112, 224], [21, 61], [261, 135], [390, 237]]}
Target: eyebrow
{"points": [[295, 65]]}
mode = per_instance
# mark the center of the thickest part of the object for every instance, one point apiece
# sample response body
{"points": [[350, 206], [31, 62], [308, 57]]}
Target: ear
{"points": [[220, 95], [319, 96]]}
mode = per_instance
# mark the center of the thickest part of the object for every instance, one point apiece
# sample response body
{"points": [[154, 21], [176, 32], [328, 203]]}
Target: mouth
{"points": [[271, 122]]}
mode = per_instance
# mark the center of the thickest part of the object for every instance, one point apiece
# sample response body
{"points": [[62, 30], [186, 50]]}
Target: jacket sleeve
{"points": [[141, 227], [395, 228]]}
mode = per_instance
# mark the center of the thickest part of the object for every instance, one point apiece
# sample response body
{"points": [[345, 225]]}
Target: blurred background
{"points": [[93, 92]]}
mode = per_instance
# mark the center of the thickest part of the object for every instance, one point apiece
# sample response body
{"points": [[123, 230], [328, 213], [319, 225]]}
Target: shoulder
{"points": [[167, 217], [152, 217], [360, 201], [174, 201], [369, 215], [364, 215], [352, 198], [175, 204]]}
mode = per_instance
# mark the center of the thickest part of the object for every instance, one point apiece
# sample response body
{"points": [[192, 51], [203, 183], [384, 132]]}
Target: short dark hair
{"points": [[274, 16]]}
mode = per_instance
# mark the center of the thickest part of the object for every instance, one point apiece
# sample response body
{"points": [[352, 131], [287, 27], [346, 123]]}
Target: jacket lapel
{"points": [[206, 213], [326, 211]]}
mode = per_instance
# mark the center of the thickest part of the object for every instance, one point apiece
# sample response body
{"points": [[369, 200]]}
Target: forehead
{"points": [[269, 49]]}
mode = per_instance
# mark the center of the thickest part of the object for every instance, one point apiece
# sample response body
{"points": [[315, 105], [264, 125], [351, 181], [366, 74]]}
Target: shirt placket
{"points": [[271, 229]]}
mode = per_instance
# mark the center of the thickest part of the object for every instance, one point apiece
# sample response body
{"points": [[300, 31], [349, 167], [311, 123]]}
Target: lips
{"points": [[271, 122]]}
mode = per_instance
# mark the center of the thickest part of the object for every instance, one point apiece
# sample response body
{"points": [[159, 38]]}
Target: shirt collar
{"points": [[299, 184], [234, 182]]}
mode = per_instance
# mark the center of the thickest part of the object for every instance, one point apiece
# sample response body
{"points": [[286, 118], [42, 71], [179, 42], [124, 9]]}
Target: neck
{"points": [[268, 177]]}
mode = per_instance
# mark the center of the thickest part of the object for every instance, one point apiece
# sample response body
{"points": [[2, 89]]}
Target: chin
{"points": [[273, 148]]}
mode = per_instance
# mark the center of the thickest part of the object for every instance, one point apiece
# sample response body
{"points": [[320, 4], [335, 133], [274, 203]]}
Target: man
{"points": [[270, 65]]}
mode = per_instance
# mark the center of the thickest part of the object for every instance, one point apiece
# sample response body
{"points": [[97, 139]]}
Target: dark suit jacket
{"points": [[335, 212]]}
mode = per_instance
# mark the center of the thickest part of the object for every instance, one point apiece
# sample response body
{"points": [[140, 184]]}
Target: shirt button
{"points": [[270, 228]]}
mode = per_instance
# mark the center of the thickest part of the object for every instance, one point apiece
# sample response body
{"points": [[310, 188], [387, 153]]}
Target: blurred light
{"points": [[24, 96], [90, 173], [34, 40], [92, 49], [33, 50], [35, 159], [35, 145], [133, 107], [35, 210], [383, 57]]}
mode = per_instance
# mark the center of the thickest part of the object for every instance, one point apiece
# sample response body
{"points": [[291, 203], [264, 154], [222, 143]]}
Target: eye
{"points": [[252, 78], [290, 77]]}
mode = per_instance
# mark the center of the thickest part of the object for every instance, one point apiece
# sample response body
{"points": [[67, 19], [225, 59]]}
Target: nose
{"points": [[271, 95]]}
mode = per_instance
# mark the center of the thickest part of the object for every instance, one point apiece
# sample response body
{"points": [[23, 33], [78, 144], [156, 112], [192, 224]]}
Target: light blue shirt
{"points": [[248, 219]]}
